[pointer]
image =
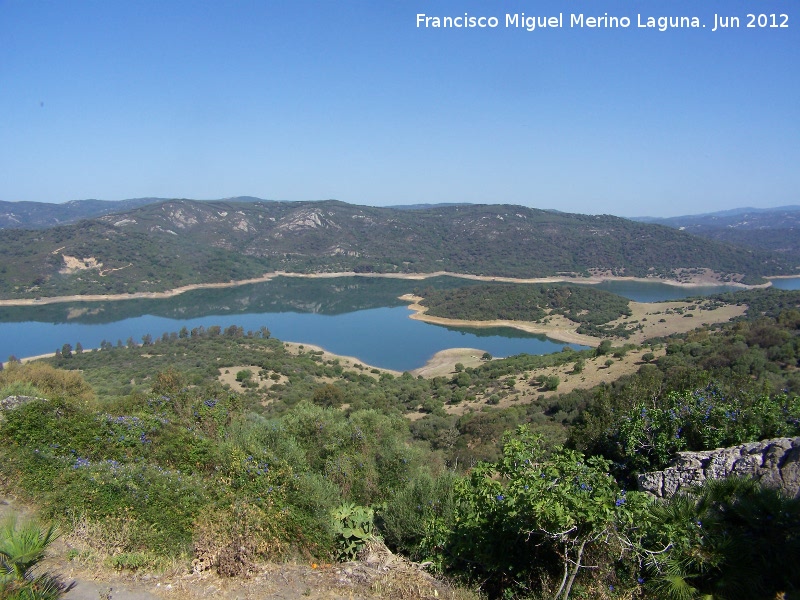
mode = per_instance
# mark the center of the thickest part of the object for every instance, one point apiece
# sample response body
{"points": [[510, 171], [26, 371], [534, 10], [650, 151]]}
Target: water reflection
{"points": [[353, 316]]}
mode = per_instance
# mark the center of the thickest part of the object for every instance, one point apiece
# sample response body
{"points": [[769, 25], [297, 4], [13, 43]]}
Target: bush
{"points": [[405, 517], [550, 383], [47, 381], [730, 538], [230, 538], [532, 519]]}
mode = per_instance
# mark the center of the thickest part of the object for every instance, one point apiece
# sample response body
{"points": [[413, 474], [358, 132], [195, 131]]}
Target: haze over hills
{"points": [[172, 243], [40, 215], [776, 229]]}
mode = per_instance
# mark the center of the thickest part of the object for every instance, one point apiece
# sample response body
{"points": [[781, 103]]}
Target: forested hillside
{"points": [[166, 245], [773, 229], [40, 215], [589, 308]]}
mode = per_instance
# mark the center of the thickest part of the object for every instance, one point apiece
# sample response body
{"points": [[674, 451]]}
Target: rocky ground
{"points": [[378, 574]]}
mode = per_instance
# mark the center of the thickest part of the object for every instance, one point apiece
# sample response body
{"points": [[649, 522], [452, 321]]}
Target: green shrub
{"points": [[50, 382], [530, 521], [728, 538], [404, 518], [353, 527], [22, 548], [551, 383]]}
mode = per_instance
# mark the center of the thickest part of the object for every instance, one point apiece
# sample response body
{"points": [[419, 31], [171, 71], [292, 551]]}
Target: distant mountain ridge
{"points": [[40, 215], [774, 229], [172, 243]]}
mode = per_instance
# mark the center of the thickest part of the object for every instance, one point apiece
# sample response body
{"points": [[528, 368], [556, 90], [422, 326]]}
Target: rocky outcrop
{"points": [[775, 463], [11, 402]]}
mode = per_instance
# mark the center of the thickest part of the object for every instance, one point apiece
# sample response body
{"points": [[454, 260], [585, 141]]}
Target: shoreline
{"points": [[591, 280], [560, 334]]}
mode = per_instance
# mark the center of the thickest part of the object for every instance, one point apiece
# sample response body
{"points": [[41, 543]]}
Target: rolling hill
{"points": [[167, 244], [41, 215], [774, 229]]}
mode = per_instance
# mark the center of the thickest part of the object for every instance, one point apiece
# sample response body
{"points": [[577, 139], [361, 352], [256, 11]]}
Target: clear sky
{"points": [[350, 99]]}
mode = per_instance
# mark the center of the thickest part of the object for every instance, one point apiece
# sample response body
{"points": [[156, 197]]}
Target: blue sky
{"points": [[349, 99]]}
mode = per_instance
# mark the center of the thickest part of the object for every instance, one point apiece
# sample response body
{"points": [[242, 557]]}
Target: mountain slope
{"points": [[774, 229], [160, 246], [41, 215]]}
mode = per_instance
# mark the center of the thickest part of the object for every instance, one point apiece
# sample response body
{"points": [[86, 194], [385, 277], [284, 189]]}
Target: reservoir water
{"points": [[787, 283], [350, 316]]}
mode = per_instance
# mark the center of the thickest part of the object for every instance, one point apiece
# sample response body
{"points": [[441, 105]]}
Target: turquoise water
{"points": [[350, 316]]}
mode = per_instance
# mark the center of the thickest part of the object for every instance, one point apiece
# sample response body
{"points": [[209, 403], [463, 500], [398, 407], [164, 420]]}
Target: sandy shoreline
{"points": [[698, 281], [440, 363], [556, 332], [558, 329]]}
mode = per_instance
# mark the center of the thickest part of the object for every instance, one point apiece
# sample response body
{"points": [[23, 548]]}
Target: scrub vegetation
{"points": [[304, 456]]}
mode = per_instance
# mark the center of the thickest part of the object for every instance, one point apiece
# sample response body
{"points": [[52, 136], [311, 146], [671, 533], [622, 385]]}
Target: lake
{"points": [[350, 316], [787, 283]]}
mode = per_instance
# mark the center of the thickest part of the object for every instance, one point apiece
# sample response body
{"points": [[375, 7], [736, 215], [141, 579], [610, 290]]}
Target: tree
{"points": [[550, 383], [486, 356], [168, 382], [328, 395], [648, 357], [78, 348], [244, 376], [603, 349], [66, 351]]}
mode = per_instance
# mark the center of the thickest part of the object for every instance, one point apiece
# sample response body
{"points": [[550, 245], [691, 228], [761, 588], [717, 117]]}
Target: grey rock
{"points": [[775, 463]]}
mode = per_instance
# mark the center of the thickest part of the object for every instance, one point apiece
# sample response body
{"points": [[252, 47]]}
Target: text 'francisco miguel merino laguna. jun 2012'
{"points": [[662, 23]]}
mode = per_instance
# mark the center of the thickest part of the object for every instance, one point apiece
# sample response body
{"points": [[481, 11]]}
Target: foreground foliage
{"points": [[729, 539], [529, 522], [22, 548]]}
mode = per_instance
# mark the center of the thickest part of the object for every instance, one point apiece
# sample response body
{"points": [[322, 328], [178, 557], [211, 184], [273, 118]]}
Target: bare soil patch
{"points": [[443, 362], [347, 362], [526, 387], [665, 318], [227, 376]]}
